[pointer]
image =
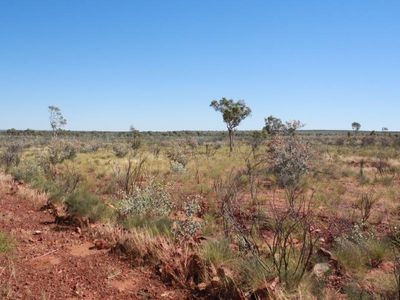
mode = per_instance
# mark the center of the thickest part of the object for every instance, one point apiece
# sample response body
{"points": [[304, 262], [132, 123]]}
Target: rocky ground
{"points": [[54, 262]]}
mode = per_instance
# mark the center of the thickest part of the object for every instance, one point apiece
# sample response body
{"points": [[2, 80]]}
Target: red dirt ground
{"points": [[49, 262]]}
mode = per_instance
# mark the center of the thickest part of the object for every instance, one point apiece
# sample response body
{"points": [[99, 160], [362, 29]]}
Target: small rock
{"points": [[321, 269], [37, 232], [202, 286], [100, 245], [215, 281]]}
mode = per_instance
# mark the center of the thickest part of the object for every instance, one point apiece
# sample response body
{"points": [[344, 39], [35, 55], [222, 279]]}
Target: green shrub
{"points": [[85, 204]]}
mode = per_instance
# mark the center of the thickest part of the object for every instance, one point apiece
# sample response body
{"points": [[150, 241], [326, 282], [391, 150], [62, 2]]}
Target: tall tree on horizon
{"points": [[356, 126], [233, 112], [57, 120]]}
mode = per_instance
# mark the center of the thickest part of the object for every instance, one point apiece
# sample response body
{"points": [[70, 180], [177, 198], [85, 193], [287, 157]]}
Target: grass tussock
{"points": [[6, 244]]}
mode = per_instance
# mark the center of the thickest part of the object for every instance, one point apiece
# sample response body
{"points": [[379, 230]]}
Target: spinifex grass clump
{"points": [[85, 204], [5, 243], [360, 250]]}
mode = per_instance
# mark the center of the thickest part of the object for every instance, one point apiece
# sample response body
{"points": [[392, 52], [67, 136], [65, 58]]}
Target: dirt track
{"points": [[49, 262]]}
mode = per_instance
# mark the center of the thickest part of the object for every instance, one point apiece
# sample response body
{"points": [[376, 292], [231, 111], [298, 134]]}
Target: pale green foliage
{"points": [[289, 156], [188, 226], [57, 120], [152, 200], [59, 151]]}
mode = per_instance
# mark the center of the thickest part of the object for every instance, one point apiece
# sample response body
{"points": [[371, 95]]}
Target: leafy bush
{"points": [[60, 151], [177, 167], [89, 147], [177, 156], [85, 204], [289, 158], [151, 201], [189, 224], [120, 150]]}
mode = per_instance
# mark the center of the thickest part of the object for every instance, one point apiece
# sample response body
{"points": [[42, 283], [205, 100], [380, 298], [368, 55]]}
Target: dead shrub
{"points": [[365, 205], [128, 175], [11, 156], [293, 243]]}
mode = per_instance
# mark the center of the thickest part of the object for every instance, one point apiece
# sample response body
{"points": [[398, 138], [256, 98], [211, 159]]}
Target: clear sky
{"points": [[157, 65]]}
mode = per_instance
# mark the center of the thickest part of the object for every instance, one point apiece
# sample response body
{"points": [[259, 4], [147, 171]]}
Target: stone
{"points": [[321, 269]]}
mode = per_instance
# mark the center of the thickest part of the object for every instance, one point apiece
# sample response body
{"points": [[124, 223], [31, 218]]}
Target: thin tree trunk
{"points": [[230, 131]]}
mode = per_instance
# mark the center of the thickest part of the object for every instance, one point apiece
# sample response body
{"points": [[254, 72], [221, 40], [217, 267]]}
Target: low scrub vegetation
{"points": [[278, 213]]}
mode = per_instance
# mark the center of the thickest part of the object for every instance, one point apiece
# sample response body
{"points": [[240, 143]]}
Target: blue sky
{"points": [[158, 64]]}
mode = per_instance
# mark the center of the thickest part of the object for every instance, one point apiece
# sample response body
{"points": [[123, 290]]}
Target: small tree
{"points": [[57, 120], [136, 141], [233, 112], [356, 126], [273, 125]]}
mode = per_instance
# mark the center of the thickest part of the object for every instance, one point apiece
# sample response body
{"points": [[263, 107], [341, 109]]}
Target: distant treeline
{"points": [[180, 133]]}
